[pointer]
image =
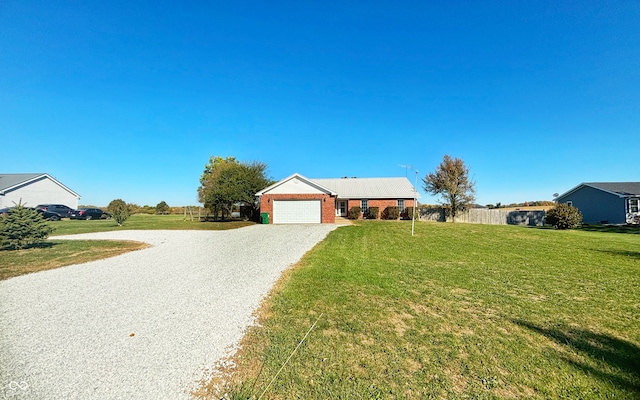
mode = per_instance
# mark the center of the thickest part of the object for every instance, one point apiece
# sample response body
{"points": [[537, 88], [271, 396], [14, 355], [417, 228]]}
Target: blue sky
{"points": [[130, 99]]}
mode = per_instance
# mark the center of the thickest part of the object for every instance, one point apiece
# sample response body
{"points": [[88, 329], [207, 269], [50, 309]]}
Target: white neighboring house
{"points": [[34, 189]]}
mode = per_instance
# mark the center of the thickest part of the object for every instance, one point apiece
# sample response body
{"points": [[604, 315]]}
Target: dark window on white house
{"points": [[401, 205], [364, 205]]}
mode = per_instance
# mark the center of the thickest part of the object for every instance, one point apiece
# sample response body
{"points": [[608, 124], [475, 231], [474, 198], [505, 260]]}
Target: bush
{"points": [[391, 212], [408, 213], [564, 216], [373, 212], [119, 210], [22, 228], [354, 212]]}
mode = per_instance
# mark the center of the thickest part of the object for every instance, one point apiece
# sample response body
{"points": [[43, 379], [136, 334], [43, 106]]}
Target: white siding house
{"points": [[34, 189]]}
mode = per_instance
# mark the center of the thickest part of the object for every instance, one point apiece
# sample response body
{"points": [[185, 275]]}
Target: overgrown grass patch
{"points": [[458, 311], [142, 222], [56, 254]]}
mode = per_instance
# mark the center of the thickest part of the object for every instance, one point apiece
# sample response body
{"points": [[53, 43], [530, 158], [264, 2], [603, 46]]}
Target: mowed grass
{"points": [[142, 222], [458, 311], [56, 254], [59, 253]]}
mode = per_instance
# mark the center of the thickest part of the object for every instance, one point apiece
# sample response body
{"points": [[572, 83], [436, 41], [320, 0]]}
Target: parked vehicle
{"points": [[54, 212], [89, 213]]}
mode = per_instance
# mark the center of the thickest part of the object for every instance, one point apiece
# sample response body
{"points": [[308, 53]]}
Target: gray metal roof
{"points": [[622, 188], [10, 180], [369, 188]]}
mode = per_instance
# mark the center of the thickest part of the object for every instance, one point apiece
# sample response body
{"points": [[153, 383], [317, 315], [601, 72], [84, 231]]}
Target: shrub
{"points": [[391, 212], [22, 228], [564, 216], [408, 213], [119, 210], [354, 212], [373, 212]]}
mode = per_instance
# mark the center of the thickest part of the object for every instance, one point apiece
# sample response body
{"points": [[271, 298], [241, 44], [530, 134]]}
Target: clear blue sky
{"points": [[122, 99]]}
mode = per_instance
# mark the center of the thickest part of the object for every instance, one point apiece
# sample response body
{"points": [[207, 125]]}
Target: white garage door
{"points": [[297, 212]]}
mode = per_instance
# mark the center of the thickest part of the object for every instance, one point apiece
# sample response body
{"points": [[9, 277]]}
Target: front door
{"points": [[342, 208]]}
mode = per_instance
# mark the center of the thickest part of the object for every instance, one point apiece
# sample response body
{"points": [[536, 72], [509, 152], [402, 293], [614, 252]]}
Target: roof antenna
{"points": [[406, 169]]}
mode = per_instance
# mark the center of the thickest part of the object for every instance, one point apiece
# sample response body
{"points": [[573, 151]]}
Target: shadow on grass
{"points": [[621, 356], [626, 253], [43, 245], [629, 229]]}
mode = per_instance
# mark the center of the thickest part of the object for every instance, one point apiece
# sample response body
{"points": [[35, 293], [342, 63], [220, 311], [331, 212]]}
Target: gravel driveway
{"points": [[146, 324]]}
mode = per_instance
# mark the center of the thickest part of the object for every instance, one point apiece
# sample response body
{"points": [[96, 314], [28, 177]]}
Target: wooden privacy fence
{"points": [[487, 216]]}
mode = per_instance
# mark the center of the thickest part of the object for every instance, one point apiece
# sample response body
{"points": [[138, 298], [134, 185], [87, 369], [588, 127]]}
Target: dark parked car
{"points": [[54, 212], [89, 213]]}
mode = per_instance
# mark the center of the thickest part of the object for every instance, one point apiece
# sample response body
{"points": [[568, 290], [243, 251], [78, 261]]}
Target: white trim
{"points": [[299, 177], [35, 179]]}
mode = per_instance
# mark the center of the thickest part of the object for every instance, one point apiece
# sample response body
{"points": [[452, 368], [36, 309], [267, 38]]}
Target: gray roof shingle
{"points": [[622, 188], [10, 180]]}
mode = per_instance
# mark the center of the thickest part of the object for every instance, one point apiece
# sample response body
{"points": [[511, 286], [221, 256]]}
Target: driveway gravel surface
{"points": [[144, 325]]}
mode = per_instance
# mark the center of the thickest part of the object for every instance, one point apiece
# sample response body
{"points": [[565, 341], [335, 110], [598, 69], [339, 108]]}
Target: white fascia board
{"points": [[587, 185], [299, 177], [36, 178]]}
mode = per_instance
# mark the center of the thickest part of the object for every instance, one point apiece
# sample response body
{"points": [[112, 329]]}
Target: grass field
{"points": [[141, 221], [56, 254], [59, 253], [458, 311]]}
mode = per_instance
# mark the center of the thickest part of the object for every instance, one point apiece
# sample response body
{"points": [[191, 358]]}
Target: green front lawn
{"points": [[458, 311], [55, 254], [142, 222]]}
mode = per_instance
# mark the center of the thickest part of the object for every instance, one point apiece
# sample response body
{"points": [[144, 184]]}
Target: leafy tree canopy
{"points": [[162, 207], [451, 182], [119, 210], [226, 181]]}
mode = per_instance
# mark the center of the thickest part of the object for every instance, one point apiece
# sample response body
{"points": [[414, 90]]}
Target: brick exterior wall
{"points": [[380, 203], [328, 204]]}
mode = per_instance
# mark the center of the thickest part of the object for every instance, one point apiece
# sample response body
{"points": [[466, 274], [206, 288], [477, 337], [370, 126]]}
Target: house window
{"points": [[570, 203], [401, 205], [364, 205], [634, 205]]}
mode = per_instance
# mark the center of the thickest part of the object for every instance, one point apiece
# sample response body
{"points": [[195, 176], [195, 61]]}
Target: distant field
{"points": [[141, 222], [528, 208], [458, 311]]}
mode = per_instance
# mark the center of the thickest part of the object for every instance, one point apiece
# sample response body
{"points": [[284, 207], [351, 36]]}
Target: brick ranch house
{"points": [[300, 200]]}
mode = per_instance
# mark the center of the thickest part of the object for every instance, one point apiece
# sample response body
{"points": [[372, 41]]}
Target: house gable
{"points": [[598, 202], [34, 189]]}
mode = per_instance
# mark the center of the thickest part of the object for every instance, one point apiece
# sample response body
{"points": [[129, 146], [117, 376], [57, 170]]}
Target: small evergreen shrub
{"points": [[354, 212], [373, 212], [119, 210], [391, 212], [22, 228], [564, 216]]}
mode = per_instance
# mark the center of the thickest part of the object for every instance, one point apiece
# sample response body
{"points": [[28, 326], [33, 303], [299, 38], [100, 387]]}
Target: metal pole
{"points": [[415, 203]]}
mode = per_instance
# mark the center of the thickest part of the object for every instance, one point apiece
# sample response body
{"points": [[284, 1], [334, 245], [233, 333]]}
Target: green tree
{"points": [[226, 181], [119, 210], [162, 208], [451, 182], [22, 228]]}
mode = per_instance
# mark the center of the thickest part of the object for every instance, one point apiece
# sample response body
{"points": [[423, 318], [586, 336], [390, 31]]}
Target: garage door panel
{"points": [[297, 212]]}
